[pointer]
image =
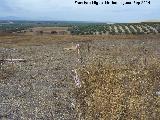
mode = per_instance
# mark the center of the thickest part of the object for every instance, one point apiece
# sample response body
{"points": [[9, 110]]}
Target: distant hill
{"points": [[156, 20], [11, 18]]}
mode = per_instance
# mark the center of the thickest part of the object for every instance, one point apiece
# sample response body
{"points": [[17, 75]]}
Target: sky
{"points": [[68, 10]]}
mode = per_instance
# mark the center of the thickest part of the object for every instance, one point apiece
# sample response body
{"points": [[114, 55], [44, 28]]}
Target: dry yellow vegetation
{"points": [[125, 93], [25, 40], [119, 77]]}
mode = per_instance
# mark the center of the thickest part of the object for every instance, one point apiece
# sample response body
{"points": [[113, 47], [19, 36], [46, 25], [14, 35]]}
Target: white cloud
{"points": [[68, 10]]}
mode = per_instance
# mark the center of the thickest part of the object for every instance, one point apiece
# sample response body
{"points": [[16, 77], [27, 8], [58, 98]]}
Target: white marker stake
{"points": [[78, 51], [76, 79]]}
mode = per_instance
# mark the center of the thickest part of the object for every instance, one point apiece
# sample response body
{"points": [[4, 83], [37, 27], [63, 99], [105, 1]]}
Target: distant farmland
{"points": [[82, 28], [115, 29]]}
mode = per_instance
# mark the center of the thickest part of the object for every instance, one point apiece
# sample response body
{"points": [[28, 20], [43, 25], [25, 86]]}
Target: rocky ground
{"points": [[42, 87]]}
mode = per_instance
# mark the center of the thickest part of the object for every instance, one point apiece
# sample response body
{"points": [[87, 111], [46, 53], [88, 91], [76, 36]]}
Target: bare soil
{"points": [[43, 87]]}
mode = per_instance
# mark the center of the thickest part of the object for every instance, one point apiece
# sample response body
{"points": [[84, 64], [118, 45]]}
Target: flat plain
{"points": [[119, 77]]}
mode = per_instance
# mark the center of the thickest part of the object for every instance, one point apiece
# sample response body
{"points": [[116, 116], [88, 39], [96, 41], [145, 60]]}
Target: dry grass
{"points": [[124, 91], [25, 40], [49, 28], [119, 93]]}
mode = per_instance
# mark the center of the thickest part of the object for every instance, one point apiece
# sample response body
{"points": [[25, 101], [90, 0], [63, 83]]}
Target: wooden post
{"points": [[88, 47]]}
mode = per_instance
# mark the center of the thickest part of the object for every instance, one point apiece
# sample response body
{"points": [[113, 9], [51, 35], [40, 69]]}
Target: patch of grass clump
{"points": [[117, 93]]}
